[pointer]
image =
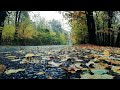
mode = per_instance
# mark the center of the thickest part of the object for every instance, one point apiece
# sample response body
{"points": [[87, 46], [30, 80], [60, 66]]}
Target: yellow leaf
{"points": [[13, 71], [106, 53], [102, 58], [116, 69], [41, 73], [117, 52]]}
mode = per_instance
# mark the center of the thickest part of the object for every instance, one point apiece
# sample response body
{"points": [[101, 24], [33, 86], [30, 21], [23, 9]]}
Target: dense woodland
{"points": [[92, 27], [94, 53], [18, 29], [95, 27]]}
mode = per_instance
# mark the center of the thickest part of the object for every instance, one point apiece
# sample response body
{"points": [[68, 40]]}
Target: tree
{"points": [[19, 26], [110, 15], [91, 27], [17, 18], [3, 15], [56, 26], [77, 21], [97, 21]]}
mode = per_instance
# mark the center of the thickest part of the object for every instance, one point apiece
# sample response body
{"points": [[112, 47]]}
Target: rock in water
{"points": [[2, 68]]}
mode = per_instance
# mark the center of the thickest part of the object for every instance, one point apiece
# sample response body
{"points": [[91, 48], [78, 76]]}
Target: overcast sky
{"points": [[49, 15]]}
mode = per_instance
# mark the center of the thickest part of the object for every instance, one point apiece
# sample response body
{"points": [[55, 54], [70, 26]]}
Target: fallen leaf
{"points": [[29, 55], [11, 57], [2, 68], [13, 71], [49, 77], [116, 69], [96, 76], [106, 53], [102, 58], [41, 73], [99, 71]]}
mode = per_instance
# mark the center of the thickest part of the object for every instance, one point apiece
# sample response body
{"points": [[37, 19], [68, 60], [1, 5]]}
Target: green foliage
{"points": [[56, 26], [8, 32], [26, 30], [39, 32], [77, 20], [43, 32]]}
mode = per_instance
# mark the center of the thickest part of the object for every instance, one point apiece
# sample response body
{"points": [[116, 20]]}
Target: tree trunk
{"points": [[110, 15], [97, 23], [118, 40], [103, 25], [91, 27], [8, 19], [117, 43], [112, 39], [3, 14], [17, 18]]}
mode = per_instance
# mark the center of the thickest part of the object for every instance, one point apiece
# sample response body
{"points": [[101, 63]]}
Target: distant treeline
{"points": [[16, 28]]}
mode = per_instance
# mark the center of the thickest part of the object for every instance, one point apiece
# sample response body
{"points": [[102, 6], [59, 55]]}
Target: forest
{"points": [[38, 48], [18, 29], [87, 27], [95, 27]]}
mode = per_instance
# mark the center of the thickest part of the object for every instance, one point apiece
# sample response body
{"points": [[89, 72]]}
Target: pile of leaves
{"points": [[76, 62]]}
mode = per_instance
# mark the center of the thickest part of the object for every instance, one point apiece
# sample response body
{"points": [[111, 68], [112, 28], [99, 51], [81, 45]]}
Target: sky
{"points": [[49, 15]]}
